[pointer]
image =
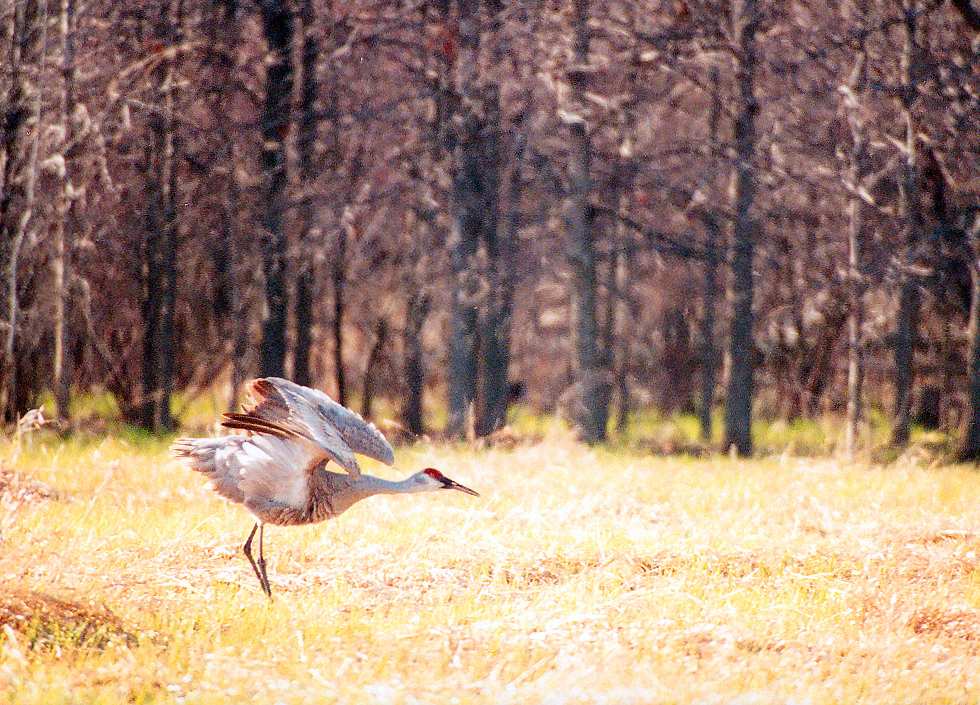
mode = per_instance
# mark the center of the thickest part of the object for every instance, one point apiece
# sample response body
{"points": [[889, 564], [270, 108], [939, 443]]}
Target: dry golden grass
{"points": [[579, 577]]}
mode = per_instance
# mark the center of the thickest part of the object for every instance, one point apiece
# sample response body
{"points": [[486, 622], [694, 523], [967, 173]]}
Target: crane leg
{"points": [[247, 548], [265, 575]]}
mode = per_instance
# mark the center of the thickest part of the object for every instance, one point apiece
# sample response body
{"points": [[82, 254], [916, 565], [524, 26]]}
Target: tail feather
{"points": [[205, 455], [200, 452]]}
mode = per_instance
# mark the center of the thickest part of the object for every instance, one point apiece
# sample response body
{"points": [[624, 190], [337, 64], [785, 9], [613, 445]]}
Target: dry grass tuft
{"points": [[41, 623], [17, 489], [955, 624]]}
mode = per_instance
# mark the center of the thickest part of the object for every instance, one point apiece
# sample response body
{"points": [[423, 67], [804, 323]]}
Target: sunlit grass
{"points": [[579, 576]]}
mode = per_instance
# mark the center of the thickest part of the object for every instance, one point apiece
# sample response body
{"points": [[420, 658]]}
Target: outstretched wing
{"points": [[315, 416], [324, 442], [260, 471]]}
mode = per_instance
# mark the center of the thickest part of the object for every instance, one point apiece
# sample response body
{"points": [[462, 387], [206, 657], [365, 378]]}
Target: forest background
{"points": [[687, 209]]}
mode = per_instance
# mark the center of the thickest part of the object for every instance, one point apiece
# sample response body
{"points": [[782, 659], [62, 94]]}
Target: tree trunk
{"points": [[168, 180], [418, 311], [467, 226], [738, 405], [970, 446], [277, 27], [709, 347], [622, 359], [19, 160], [235, 277], [907, 324], [712, 230], [61, 260], [306, 149], [169, 260], [339, 280], [855, 246], [908, 305], [150, 259], [501, 251], [238, 296], [615, 342], [495, 332], [589, 413], [160, 263], [371, 368]]}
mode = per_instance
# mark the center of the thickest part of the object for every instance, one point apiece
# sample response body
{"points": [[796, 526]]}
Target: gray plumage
{"points": [[277, 467]]}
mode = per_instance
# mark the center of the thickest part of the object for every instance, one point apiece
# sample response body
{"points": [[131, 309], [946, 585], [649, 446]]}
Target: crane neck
{"points": [[371, 485]]}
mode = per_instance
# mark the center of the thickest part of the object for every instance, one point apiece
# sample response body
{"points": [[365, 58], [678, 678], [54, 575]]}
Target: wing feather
{"points": [[290, 429], [276, 470], [311, 412], [255, 470]]}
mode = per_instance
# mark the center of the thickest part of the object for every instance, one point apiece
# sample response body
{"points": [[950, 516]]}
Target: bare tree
{"points": [[855, 236], [414, 364], [373, 368], [61, 259], [18, 159], [713, 250], [277, 28], [306, 147], [589, 378], [467, 223], [160, 243], [970, 444], [500, 238], [738, 408], [907, 322]]}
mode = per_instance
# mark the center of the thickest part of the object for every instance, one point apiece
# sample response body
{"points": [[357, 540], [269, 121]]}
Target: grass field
{"points": [[580, 576]]}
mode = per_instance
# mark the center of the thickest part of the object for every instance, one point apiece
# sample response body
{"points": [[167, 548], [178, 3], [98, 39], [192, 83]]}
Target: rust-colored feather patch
{"points": [[266, 401], [247, 422]]}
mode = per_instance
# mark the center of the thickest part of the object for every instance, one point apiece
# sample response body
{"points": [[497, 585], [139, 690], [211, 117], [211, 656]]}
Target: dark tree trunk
{"points": [[614, 341], [306, 149], [970, 446], [372, 367], [18, 156], [170, 237], [339, 279], [907, 324], [908, 305], [277, 27], [304, 326], [467, 227], [621, 360], [168, 260], [709, 347], [61, 261], [501, 250], [418, 311], [712, 230], [855, 247], [238, 301], [160, 257], [620, 338], [150, 256], [589, 411], [738, 405], [234, 278]]}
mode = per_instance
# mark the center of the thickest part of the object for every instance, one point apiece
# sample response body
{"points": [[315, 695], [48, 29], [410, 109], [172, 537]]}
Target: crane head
{"points": [[435, 480]]}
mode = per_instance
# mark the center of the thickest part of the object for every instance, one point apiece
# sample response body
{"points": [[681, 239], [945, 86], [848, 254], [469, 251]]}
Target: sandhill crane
{"points": [[276, 468]]}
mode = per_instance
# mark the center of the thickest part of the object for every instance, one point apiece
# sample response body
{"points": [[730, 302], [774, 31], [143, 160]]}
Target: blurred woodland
{"points": [[592, 207]]}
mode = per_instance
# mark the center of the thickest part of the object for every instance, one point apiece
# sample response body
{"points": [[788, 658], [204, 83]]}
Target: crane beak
{"points": [[453, 485]]}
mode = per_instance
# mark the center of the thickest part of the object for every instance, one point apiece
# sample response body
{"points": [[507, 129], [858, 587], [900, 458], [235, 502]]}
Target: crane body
{"points": [[277, 470]]}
